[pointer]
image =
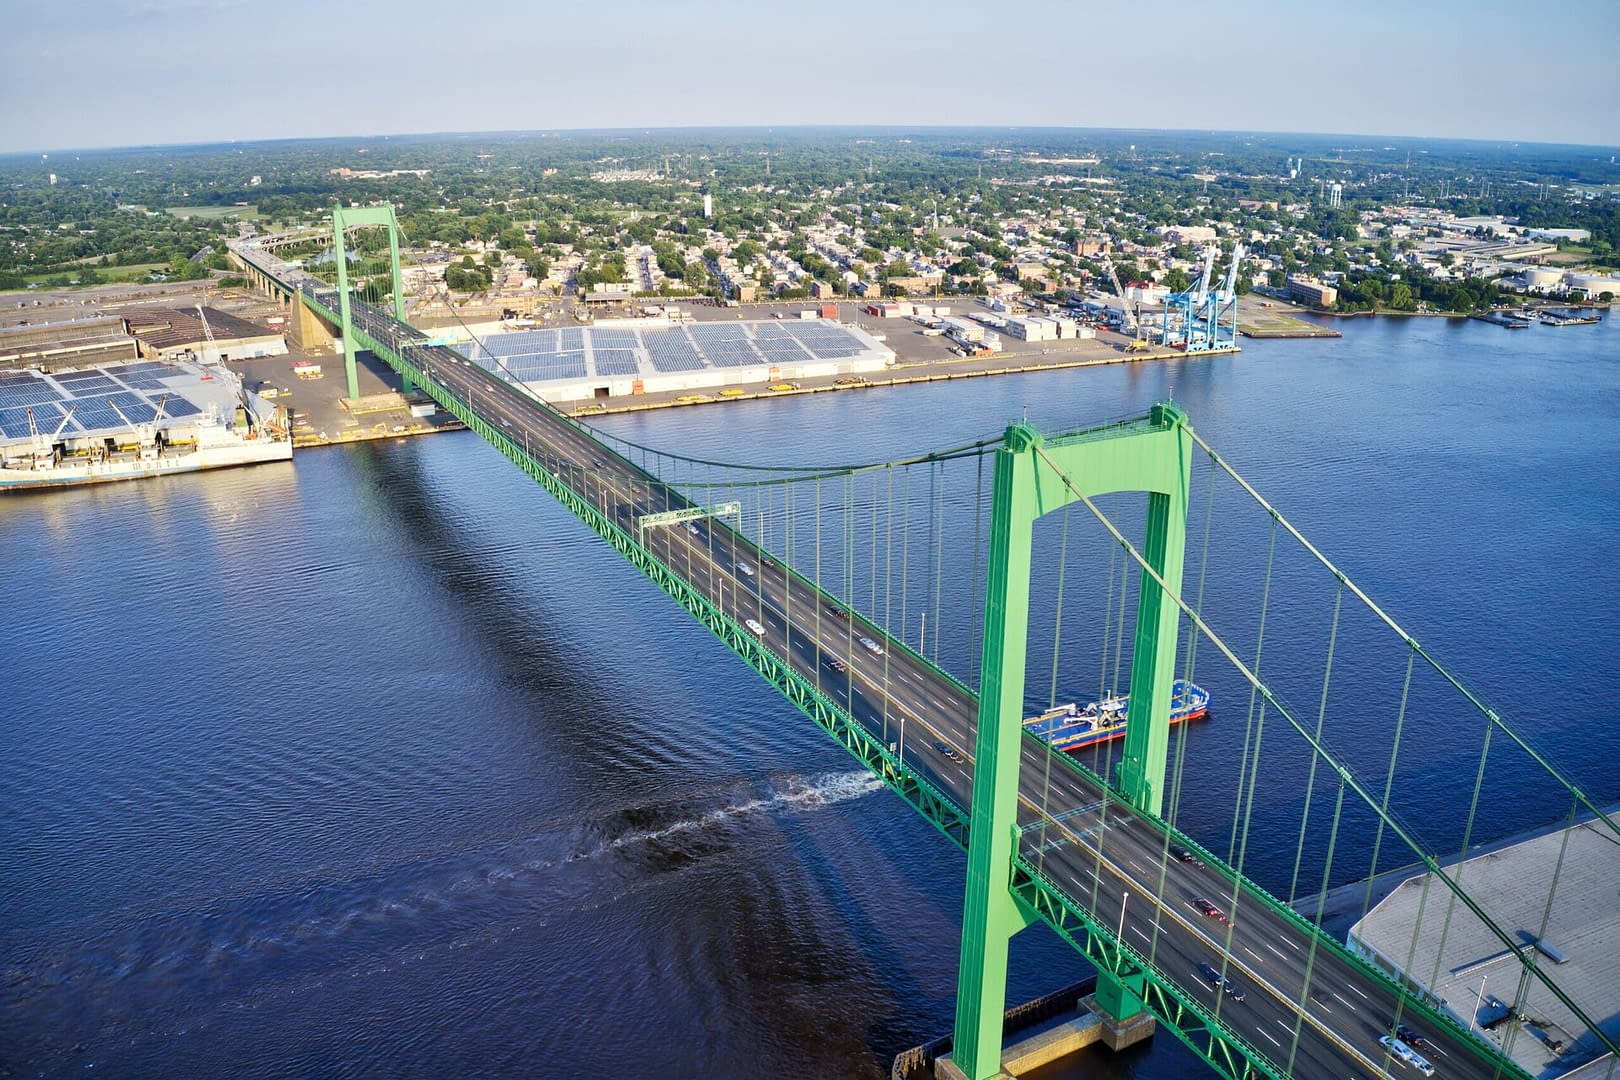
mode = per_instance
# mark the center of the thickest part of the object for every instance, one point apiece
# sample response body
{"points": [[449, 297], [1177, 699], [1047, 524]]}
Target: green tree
{"points": [[1177, 280]]}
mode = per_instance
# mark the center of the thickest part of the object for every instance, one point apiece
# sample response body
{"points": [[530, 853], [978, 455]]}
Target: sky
{"points": [[98, 73]]}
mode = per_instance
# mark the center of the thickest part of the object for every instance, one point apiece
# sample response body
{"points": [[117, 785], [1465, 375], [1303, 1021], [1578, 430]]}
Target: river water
{"points": [[380, 764]]}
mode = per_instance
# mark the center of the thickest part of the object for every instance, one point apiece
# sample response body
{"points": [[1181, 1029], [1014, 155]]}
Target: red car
{"points": [[1206, 908]]}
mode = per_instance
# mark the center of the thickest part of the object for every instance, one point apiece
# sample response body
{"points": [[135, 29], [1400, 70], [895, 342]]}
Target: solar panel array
{"points": [[726, 345], [778, 346], [825, 341], [671, 351], [579, 352], [92, 395], [616, 361], [613, 339], [14, 421]]}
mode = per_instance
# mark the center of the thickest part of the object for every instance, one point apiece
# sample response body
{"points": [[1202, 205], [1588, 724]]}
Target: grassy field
{"points": [[245, 213], [110, 275]]}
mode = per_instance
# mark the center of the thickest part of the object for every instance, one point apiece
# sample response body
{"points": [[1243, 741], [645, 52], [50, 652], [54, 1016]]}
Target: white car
{"points": [[1405, 1053], [754, 627], [871, 646], [745, 570]]}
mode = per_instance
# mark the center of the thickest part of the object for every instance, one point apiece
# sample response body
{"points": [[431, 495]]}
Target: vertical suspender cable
{"points": [[1462, 856], [905, 550], [1321, 721], [1057, 637], [1254, 696], [819, 604], [1107, 625], [1389, 780]]}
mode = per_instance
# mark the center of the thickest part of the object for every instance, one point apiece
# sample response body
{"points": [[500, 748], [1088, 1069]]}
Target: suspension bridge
{"points": [[774, 561]]}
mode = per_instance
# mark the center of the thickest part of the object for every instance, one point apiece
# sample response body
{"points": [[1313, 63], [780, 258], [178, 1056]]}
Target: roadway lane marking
{"points": [[1269, 1039], [1254, 954], [1198, 932], [1322, 1003], [1345, 1002], [1359, 994], [1275, 950], [1137, 930]]}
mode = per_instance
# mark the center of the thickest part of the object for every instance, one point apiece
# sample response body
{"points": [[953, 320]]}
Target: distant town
{"points": [[510, 223]]}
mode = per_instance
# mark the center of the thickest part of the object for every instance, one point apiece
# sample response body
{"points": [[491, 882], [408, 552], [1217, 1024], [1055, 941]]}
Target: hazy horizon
{"points": [[114, 74], [786, 129]]}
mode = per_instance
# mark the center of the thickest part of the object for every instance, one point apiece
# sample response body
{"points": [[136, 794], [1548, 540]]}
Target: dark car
{"points": [[1181, 854], [837, 664], [1225, 985], [1205, 907], [838, 613], [1410, 1037]]}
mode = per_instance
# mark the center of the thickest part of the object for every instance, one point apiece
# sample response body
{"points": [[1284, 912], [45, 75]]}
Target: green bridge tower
{"points": [[1034, 477], [349, 217]]}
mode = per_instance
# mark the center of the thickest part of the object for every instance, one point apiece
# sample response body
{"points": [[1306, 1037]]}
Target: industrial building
{"points": [[203, 333], [1417, 935], [67, 344], [1312, 292], [625, 357]]}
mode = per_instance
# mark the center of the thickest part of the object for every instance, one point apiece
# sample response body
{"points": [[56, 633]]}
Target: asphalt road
{"points": [[1104, 856]]}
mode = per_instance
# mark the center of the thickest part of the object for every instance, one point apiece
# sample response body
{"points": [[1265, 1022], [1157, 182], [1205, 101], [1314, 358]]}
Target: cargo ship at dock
{"points": [[130, 422], [1070, 727]]}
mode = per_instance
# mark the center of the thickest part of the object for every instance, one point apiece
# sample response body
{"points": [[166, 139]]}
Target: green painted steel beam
{"points": [[1035, 476]]}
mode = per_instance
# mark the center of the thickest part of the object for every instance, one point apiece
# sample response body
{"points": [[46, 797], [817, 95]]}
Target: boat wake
{"points": [[302, 932]]}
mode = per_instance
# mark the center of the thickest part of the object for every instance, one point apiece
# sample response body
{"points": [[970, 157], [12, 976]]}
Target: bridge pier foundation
{"points": [[1119, 1034], [309, 330], [1051, 1043]]}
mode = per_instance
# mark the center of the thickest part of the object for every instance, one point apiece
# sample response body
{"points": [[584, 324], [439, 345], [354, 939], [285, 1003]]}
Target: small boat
{"points": [[1070, 727], [1554, 318]]}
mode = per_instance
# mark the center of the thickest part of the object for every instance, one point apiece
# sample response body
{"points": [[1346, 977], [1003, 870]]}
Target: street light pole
{"points": [[1125, 898]]}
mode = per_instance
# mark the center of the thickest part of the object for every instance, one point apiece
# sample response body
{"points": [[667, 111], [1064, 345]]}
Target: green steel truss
{"points": [[1225, 1052], [1032, 894]]}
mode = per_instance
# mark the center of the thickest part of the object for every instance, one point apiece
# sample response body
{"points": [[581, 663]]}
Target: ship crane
{"points": [[1228, 290], [1127, 321], [208, 333], [44, 447], [1200, 287], [146, 435]]}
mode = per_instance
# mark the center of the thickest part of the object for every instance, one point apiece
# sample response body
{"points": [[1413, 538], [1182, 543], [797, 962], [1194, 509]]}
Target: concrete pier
{"points": [[1043, 1042]]}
